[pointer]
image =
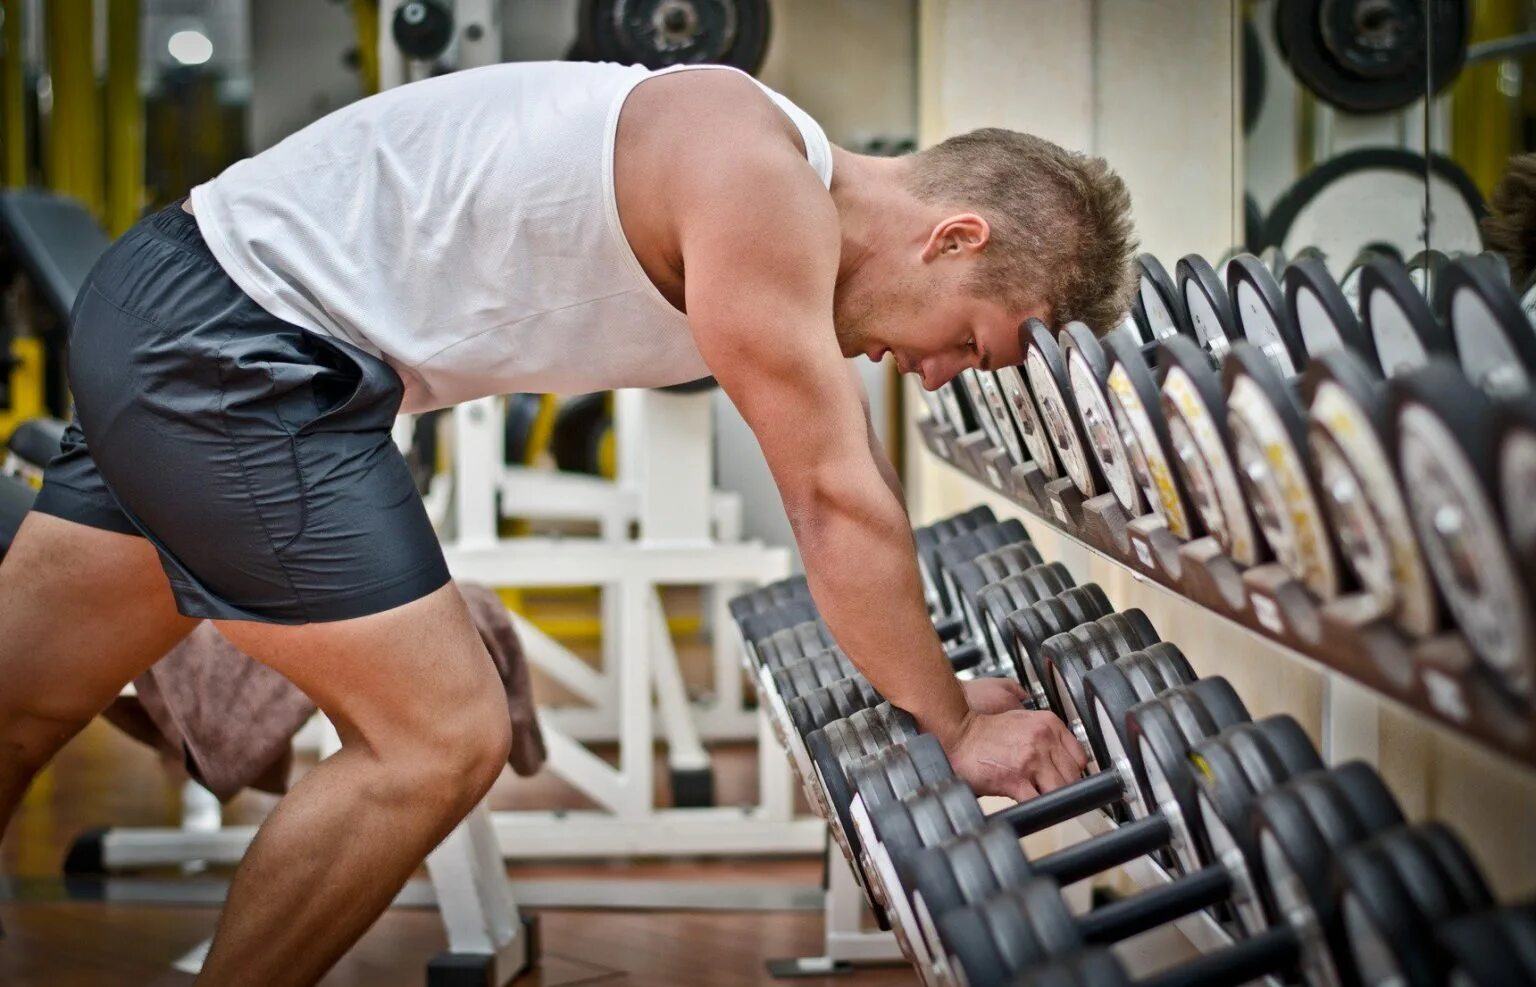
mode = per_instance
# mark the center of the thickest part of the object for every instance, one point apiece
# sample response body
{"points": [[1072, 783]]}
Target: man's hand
{"points": [[1019, 754], [994, 695]]}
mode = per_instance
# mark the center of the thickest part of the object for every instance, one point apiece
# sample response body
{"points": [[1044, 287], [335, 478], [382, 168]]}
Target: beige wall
{"points": [[1147, 84]]}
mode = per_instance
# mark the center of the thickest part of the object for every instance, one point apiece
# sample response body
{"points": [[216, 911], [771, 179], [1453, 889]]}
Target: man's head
{"points": [[979, 233]]}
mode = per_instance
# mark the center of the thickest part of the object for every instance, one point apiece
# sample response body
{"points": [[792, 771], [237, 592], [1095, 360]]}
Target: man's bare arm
{"points": [[876, 447], [760, 274]]}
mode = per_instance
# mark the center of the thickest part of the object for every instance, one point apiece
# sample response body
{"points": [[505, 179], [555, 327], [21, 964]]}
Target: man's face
{"points": [[916, 303], [934, 330]]}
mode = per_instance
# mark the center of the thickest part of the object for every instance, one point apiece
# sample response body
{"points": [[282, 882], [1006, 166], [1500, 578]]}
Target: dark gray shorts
{"points": [[255, 455]]}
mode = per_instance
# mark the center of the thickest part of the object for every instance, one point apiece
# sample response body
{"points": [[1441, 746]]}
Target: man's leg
{"points": [[82, 612], [424, 728]]}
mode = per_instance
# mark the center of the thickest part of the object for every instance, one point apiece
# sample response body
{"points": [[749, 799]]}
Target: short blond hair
{"points": [[1060, 222]]}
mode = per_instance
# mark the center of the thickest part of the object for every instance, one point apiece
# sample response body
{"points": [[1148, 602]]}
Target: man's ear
{"points": [[963, 234]]}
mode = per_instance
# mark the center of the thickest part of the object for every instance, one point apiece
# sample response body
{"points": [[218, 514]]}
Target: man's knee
{"points": [[456, 759]]}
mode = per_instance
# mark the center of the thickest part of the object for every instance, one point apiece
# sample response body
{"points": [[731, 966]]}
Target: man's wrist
{"points": [[947, 717]]}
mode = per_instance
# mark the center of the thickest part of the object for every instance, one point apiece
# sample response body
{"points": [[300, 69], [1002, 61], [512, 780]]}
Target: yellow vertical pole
{"points": [[366, 14], [125, 117], [13, 99], [74, 134]]}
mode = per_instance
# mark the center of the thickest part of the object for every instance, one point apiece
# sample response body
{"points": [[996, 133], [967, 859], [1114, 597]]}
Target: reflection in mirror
{"points": [[1343, 152]]}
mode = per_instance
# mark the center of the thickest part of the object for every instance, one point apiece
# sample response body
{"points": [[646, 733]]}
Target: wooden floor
{"points": [[103, 778]]}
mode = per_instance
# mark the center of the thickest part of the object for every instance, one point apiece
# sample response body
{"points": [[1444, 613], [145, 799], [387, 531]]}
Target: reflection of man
{"points": [[1510, 226], [533, 227]]}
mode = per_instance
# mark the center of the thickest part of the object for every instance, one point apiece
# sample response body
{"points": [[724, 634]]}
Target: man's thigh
{"points": [[395, 677]]}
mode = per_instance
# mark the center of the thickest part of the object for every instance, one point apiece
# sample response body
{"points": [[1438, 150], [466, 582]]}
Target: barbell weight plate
{"points": [[1259, 312], [1317, 306], [1374, 198], [1195, 408], [1359, 488], [1026, 418], [662, 33], [1444, 429], [1517, 478], [958, 407], [1160, 300], [1268, 429], [1134, 404], [1495, 342], [971, 381], [1047, 373], [1205, 298], [1088, 373], [997, 406]]}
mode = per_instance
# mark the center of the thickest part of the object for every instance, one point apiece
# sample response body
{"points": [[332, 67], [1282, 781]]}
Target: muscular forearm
{"points": [[861, 563]]}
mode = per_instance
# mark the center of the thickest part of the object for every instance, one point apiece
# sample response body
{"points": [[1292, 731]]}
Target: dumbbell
{"points": [[1029, 628], [967, 547], [1492, 948], [908, 798], [769, 597], [966, 579], [1063, 659], [1303, 826], [1025, 416], [985, 406], [998, 600], [1004, 418], [1399, 887], [951, 876], [929, 537], [836, 746], [1087, 374]]}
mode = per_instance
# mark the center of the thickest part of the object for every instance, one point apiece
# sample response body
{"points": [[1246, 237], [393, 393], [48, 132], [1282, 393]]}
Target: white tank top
{"points": [[464, 229]]}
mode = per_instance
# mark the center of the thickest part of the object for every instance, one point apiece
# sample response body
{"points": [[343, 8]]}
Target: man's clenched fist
{"points": [[1017, 753]]}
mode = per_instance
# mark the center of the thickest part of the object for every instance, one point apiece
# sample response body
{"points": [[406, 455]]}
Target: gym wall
{"points": [[1150, 84]]}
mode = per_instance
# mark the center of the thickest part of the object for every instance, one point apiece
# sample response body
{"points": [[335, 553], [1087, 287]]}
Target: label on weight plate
{"points": [[1059, 511], [1446, 695], [1143, 552], [1268, 613], [994, 475]]}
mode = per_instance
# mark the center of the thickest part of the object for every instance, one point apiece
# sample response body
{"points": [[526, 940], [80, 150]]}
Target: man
{"points": [[236, 364]]}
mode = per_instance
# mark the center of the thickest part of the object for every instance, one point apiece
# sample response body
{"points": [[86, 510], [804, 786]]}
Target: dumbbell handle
{"points": [[1067, 802], [1149, 909], [949, 628], [1270, 952], [1100, 853]]}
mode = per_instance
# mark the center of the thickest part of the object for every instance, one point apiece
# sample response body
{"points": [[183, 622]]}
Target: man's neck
{"points": [[873, 205]]}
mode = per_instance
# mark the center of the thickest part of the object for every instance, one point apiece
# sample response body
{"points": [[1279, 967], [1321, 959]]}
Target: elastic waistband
{"points": [[179, 226]]}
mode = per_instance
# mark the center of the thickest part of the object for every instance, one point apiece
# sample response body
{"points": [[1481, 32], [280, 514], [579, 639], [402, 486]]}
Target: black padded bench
{"points": [[52, 241], [35, 441], [16, 497]]}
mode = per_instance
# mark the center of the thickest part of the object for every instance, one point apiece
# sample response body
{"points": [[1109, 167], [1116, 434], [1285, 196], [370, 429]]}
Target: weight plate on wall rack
{"points": [[1026, 415], [997, 405], [1135, 405], [1196, 412], [1360, 490], [1517, 483], [983, 412], [1397, 317], [1160, 300], [1088, 374], [1268, 440], [1323, 315], [1444, 428], [1205, 298], [1374, 198], [1048, 382], [1258, 308], [957, 408], [1495, 342]]}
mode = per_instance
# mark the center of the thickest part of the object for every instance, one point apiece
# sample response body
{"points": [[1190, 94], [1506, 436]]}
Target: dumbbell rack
{"points": [[1438, 676]]}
